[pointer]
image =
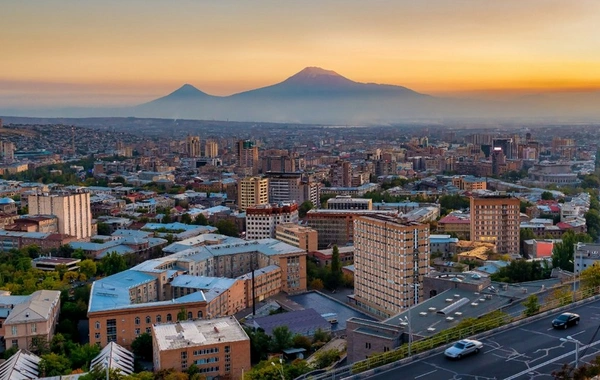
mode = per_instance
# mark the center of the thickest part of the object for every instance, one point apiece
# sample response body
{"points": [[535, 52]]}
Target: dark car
{"points": [[565, 320]]}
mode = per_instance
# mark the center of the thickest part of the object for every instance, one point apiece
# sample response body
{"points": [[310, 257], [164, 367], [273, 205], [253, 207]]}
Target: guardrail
{"points": [[486, 325]]}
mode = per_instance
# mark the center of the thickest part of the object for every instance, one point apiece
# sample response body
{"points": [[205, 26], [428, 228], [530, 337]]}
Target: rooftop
{"points": [[197, 333], [299, 322]]}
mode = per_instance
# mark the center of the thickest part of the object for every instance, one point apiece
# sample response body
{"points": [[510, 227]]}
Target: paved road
{"points": [[528, 351]]}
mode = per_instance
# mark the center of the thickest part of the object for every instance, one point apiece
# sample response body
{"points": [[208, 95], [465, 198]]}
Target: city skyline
{"points": [[58, 53]]}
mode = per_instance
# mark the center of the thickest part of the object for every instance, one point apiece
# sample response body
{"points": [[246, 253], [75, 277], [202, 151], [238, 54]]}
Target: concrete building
{"points": [[247, 156], [29, 316], [71, 208], [323, 257], [390, 260], [495, 219], [252, 191], [336, 227], [345, 202], [341, 174], [285, 187], [277, 160], [261, 220], [50, 263], [586, 255], [469, 183], [298, 236], [192, 146], [548, 173], [220, 347], [211, 149]]}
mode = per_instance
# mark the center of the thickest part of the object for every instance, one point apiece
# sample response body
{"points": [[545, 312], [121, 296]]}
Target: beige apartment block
{"points": [[71, 208], [252, 191], [495, 219], [391, 259], [299, 236]]}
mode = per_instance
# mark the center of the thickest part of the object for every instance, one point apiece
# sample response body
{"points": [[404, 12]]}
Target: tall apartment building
{"points": [[252, 191], [192, 146], [261, 220], [341, 174], [71, 208], [277, 160], [495, 219], [211, 149], [7, 151], [391, 259], [285, 187], [247, 155], [298, 236]]}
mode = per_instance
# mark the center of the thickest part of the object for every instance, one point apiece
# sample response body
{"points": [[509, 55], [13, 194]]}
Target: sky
{"points": [[124, 52]]}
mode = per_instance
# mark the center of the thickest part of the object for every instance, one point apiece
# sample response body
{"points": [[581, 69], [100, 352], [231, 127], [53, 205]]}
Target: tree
{"points": [[82, 355], [186, 218], [321, 336], [334, 279], [547, 196], [562, 254], [103, 229], [112, 263], [532, 306], [326, 358], [54, 365], [259, 344], [592, 222], [201, 220], [561, 295], [39, 345], [182, 314], [88, 267], [227, 227], [304, 208], [590, 276], [300, 341], [316, 284], [142, 346], [282, 338]]}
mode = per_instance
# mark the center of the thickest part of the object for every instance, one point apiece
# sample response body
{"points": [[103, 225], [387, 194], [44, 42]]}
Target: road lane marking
{"points": [[551, 361], [425, 374]]}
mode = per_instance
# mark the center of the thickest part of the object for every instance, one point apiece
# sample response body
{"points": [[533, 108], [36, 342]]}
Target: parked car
{"points": [[565, 320], [463, 348]]}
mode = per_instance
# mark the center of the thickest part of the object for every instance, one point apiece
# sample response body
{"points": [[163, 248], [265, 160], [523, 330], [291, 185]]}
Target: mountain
{"points": [[313, 95]]}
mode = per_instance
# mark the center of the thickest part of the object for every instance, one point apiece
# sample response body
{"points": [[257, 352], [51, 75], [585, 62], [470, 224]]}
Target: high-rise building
{"points": [[506, 144], [211, 149], [261, 220], [341, 174], [7, 150], [498, 160], [277, 160], [252, 191], [71, 208], [285, 187], [192, 146], [299, 236], [391, 258], [247, 155], [495, 219]]}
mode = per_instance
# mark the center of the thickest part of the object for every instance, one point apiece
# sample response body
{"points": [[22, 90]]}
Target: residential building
{"points": [[469, 183], [336, 227], [192, 146], [345, 202], [323, 257], [30, 316], [277, 160], [71, 208], [261, 220], [586, 255], [211, 149], [219, 348], [252, 191], [495, 219], [341, 174], [247, 156], [50, 263], [285, 187], [298, 236], [390, 259]]}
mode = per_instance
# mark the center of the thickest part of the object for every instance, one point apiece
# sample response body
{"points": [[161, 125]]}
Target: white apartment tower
{"points": [[391, 259], [261, 221], [72, 209]]}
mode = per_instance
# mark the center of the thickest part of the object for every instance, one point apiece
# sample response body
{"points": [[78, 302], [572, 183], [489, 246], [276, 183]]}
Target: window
{"points": [[190, 315], [97, 325], [148, 319], [158, 318], [137, 320], [137, 332], [13, 330], [111, 330], [15, 343], [148, 330], [199, 313], [169, 318], [97, 336], [34, 328], [368, 345]]}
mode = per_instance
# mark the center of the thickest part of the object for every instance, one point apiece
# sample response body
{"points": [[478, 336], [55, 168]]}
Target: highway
{"points": [[528, 351]]}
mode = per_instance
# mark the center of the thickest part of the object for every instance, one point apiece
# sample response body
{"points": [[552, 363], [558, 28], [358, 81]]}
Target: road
{"points": [[528, 351]]}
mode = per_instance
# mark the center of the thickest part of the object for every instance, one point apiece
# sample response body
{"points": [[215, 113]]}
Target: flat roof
{"points": [[197, 333]]}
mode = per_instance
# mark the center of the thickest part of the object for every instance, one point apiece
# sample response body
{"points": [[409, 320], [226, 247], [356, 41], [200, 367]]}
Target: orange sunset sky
{"points": [[131, 51]]}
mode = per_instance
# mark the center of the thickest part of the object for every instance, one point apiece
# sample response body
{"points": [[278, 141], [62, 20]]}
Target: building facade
{"points": [[495, 219], [390, 259], [261, 220], [71, 208], [252, 191], [302, 237]]}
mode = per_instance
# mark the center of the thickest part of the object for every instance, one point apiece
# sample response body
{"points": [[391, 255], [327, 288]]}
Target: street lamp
{"points": [[570, 339], [279, 368]]}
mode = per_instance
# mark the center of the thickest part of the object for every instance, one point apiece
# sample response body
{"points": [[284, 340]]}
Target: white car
{"points": [[463, 348]]}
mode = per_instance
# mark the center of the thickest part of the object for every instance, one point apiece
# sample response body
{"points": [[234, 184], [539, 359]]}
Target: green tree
{"points": [[54, 365], [326, 358], [142, 346], [103, 229], [39, 345], [227, 227], [88, 267], [532, 305], [321, 336], [260, 344], [201, 220], [316, 284], [182, 314], [562, 253], [186, 218], [305, 207], [112, 263], [282, 338], [300, 341], [592, 222], [590, 276], [547, 196], [82, 355], [334, 280]]}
